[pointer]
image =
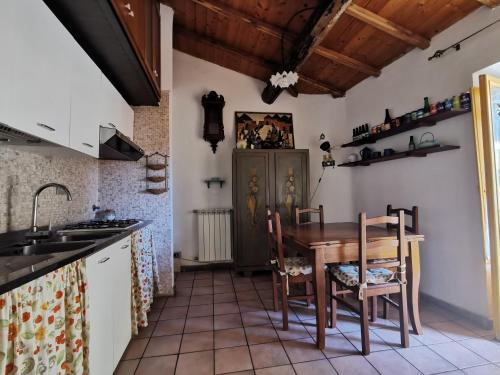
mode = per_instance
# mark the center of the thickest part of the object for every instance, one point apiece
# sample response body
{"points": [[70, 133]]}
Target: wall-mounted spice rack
{"points": [[156, 162], [425, 121]]}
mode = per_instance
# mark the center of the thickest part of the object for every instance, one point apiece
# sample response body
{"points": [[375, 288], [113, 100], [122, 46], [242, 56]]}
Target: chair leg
{"points": [[309, 292], [365, 337], [275, 291], [374, 303], [284, 302], [403, 318], [333, 304], [385, 312]]}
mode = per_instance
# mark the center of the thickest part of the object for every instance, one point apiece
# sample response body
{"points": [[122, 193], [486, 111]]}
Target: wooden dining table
{"points": [[338, 243]]}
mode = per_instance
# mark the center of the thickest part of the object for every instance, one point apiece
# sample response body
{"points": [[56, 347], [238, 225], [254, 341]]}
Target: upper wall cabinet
{"points": [[85, 99], [6, 39], [40, 72], [123, 38], [115, 112]]}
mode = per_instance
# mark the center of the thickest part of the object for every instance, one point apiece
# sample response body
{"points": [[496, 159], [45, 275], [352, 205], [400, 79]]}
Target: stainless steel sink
{"points": [[45, 248]]}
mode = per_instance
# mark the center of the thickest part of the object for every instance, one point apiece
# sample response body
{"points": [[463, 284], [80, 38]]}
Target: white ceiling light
{"points": [[284, 79]]}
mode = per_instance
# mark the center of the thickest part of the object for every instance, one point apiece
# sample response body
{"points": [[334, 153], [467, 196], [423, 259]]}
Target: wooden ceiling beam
{"points": [[387, 26], [266, 64], [323, 18], [490, 3], [277, 32]]}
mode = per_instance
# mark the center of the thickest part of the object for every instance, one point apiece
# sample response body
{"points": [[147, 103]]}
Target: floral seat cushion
{"points": [[349, 275], [376, 261], [295, 266]]}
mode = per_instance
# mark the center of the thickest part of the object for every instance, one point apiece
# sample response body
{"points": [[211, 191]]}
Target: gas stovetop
{"points": [[101, 225]]}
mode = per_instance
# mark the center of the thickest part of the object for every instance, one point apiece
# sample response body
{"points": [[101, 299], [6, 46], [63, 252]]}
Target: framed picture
{"points": [[267, 130]]}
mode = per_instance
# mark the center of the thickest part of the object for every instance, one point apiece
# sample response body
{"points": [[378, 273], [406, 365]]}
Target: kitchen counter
{"points": [[18, 270]]}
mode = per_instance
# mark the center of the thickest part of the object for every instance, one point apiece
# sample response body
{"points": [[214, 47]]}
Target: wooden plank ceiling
{"points": [[354, 43]]}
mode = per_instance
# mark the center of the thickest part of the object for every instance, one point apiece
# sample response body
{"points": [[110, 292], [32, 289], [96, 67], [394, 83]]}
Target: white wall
{"points": [[193, 160], [443, 185]]}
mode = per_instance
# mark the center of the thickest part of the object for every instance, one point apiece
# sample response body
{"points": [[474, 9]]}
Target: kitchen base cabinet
{"points": [[278, 179], [109, 290]]}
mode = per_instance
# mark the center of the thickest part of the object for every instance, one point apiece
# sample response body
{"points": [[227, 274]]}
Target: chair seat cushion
{"points": [[349, 275], [295, 266], [376, 261]]}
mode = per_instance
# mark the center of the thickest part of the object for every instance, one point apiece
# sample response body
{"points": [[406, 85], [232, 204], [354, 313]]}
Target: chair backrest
{"points": [[275, 239], [375, 248], [308, 211], [413, 213]]}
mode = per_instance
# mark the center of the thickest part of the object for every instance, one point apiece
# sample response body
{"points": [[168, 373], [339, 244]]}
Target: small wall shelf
{"points": [[215, 180], [421, 152], [426, 121]]}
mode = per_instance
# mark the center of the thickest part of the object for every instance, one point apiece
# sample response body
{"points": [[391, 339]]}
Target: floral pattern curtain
{"points": [[43, 329], [144, 276]]}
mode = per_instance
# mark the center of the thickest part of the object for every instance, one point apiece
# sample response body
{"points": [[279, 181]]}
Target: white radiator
{"points": [[214, 235]]}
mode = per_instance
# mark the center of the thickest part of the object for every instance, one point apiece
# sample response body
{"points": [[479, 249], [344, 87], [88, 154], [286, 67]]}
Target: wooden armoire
{"points": [[278, 179]]}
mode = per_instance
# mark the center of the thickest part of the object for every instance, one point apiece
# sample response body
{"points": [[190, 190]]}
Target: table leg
{"points": [[319, 288], [413, 287]]}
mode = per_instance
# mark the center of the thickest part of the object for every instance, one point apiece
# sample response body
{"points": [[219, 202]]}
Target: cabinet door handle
{"points": [[112, 125], [156, 73], [45, 126], [124, 246], [87, 144], [104, 260]]}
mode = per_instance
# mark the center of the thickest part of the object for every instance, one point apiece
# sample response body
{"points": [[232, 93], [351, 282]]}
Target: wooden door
{"points": [[251, 198], [132, 14], [156, 43], [290, 183]]}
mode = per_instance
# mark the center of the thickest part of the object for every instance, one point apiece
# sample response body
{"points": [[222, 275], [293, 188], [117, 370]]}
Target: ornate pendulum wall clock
{"points": [[213, 128]]}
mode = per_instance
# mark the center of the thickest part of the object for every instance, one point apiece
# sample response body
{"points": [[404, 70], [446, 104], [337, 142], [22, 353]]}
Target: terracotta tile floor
{"points": [[222, 323]]}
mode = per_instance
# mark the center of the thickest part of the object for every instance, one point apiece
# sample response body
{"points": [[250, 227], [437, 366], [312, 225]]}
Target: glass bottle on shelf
{"points": [[388, 118], [411, 145], [427, 107]]}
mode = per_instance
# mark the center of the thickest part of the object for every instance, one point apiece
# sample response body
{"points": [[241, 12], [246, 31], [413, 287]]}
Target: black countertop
{"points": [[18, 270]]}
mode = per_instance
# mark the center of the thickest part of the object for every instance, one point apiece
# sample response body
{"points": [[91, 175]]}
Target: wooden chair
{"points": [[286, 271], [414, 228], [371, 280], [308, 211]]}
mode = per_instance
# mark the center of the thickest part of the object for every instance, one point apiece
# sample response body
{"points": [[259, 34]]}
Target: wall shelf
{"points": [[420, 152], [426, 121]]}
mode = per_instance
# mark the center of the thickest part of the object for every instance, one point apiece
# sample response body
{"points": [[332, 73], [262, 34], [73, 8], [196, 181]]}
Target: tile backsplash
{"points": [[23, 170]]}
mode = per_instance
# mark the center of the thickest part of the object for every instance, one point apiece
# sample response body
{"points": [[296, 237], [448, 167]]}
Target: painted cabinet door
{"points": [[251, 198], [275, 178], [85, 99], [100, 314], [291, 183], [41, 72], [122, 303]]}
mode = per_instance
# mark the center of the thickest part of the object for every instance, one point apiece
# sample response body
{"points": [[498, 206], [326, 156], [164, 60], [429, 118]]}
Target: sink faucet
{"points": [[34, 228]]}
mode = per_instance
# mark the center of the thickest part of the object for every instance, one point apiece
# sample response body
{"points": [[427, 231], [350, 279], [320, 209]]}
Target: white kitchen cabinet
{"points": [[6, 61], [115, 110], [40, 97], [100, 313], [109, 290], [85, 99], [122, 302]]}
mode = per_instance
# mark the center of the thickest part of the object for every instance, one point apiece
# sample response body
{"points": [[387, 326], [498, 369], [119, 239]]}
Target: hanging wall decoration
{"points": [[213, 129]]}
